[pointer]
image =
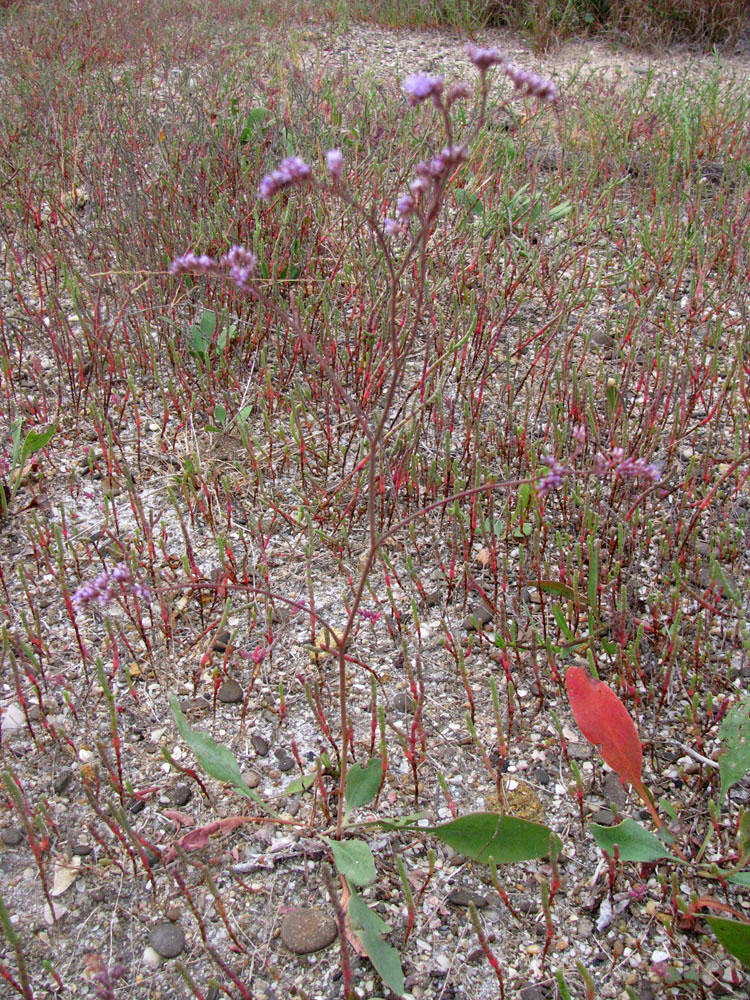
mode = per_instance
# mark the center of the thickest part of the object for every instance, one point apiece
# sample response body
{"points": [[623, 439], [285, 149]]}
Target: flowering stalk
{"points": [[417, 211]]}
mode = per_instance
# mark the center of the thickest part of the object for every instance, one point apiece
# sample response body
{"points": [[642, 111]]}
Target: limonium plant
{"points": [[403, 237]]}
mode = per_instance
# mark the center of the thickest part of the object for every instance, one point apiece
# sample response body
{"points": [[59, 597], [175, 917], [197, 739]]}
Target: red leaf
{"points": [[605, 722]]}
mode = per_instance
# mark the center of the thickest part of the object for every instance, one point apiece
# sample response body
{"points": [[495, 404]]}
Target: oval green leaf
{"points": [[633, 841], [362, 783], [734, 935], [215, 759], [354, 860], [502, 839], [370, 928]]}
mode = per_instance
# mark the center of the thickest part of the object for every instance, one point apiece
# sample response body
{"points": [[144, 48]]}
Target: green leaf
{"points": [[562, 623], [370, 929], [593, 578], [734, 731], [301, 784], [735, 937], [220, 414], [215, 759], [560, 211], [354, 860], [208, 323], [469, 202], [633, 841], [36, 440], [487, 836], [740, 878], [555, 587], [362, 783]]}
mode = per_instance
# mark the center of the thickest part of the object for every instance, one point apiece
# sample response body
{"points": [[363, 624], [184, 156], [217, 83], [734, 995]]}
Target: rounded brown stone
{"points": [[304, 930], [230, 692]]}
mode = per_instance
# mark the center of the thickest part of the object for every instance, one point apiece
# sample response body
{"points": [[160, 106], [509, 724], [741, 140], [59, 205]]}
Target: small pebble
{"points": [[181, 794], [614, 790], [12, 720], [194, 705], [251, 778], [260, 744], [477, 619], [222, 641], [167, 939], [230, 693], [604, 817], [151, 959], [285, 761], [12, 836], [62, 780], [305, 930], [462, 897], [403, 702]]}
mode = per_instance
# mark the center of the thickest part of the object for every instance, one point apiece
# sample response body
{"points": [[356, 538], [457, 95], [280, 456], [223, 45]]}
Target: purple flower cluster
{"points": [[628, 468], [239, 264], [448, 158], [291, 172], [419, 87], [553, 478], [483, 58], [427, 174], [335, 163], [191, 263], [530, 84], [107, 585]]}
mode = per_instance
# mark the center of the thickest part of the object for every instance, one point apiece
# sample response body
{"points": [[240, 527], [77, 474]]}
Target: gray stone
{"points": [[403, 702], [285, 761], [12, 836], [614, 790], [260, 744], [462, 897], [182, 794], [604, 817], [167, 939], [62, 780], [251, 778], [306, 929], [222, 641], [477, 619], [230, 693]]}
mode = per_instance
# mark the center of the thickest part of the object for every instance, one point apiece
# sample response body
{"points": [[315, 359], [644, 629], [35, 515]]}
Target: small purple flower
{"points": [[450, 157], [419, 87], [189, 263], [391, 227], [553, 478], [627, 468], [456, 93], [105, 586], [335, 162], [483, 58], [405, 206], [291, 172], [579, 433], [530, 84], [239, 263]]}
